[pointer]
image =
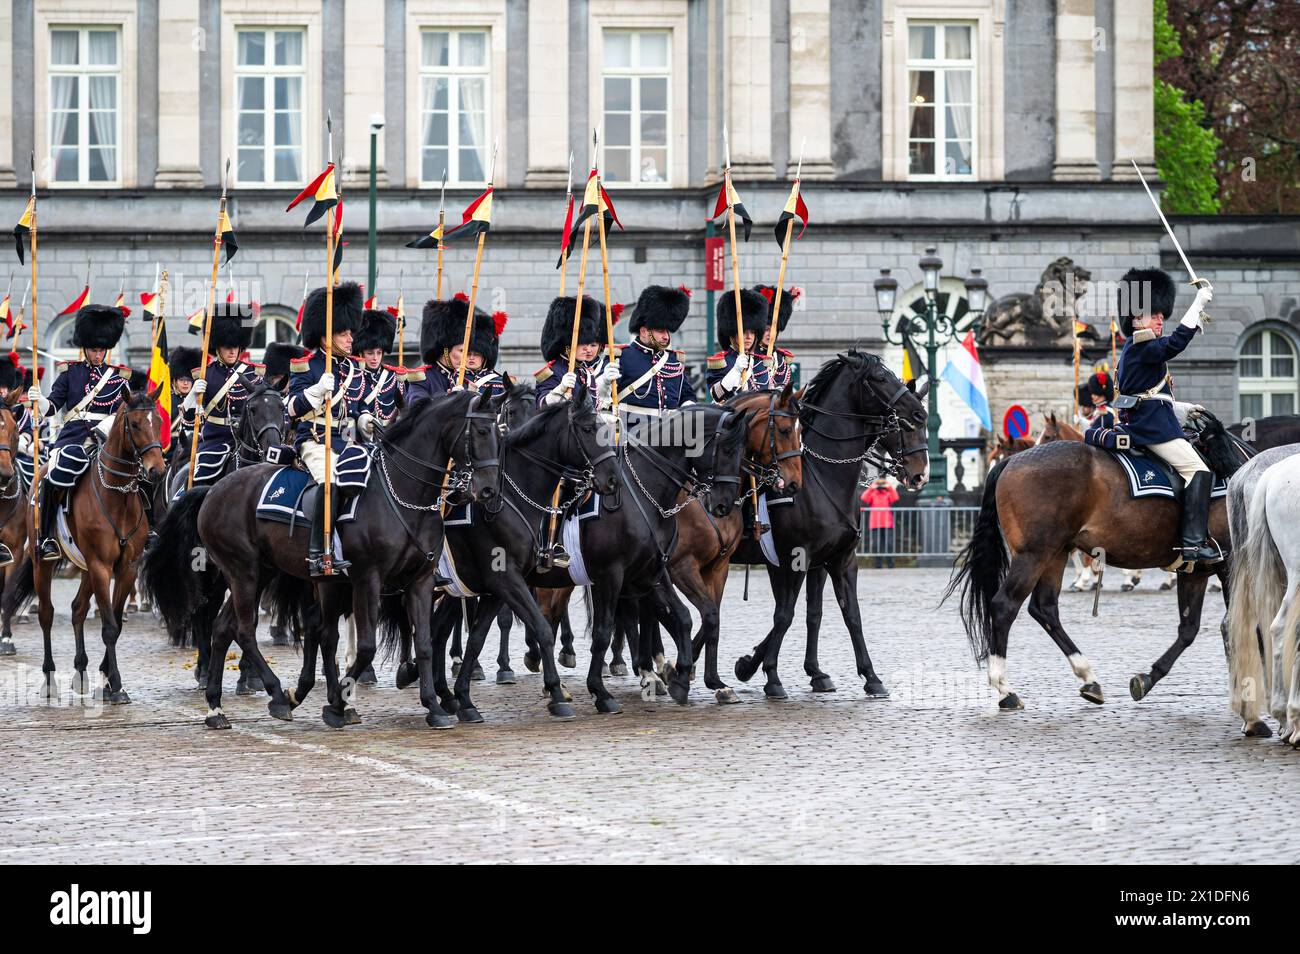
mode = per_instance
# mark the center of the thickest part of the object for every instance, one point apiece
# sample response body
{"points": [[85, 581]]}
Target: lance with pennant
{"points": [[735, 260], [207, 322], [29, 218], [442, 225], [604, 272], [478, 217], [794, 208]]}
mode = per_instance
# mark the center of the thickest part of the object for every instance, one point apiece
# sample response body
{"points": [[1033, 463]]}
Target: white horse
{"points": [[1264, 614]]}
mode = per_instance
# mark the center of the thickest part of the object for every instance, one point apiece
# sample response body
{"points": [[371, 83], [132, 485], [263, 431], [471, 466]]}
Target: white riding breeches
{"points": [[1179, 455], [313, 457]]}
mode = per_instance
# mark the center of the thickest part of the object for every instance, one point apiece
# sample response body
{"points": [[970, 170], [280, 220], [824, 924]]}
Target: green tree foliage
{"points": [[1185, 147]]}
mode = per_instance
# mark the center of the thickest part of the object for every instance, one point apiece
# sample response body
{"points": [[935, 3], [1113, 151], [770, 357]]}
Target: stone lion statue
{"points": [[1044, 318]]}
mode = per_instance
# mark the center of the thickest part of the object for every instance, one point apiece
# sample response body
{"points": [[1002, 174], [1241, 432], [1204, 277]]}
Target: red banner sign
{"points": [[713, 264]]}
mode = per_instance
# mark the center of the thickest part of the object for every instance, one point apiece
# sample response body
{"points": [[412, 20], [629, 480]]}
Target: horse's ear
{"points": [[786, 392], [924, 389], [154, 394], [15, 397], [507, 380]]}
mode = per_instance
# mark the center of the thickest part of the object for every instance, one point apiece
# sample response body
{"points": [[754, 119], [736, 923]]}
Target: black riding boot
{"points": [[51, 500], [315, 542], [1196, 515], [146, 500]]}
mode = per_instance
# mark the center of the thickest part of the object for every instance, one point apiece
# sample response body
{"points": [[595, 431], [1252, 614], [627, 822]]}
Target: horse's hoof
{"points": [[774, 690], [408, 674], [567, 658], [1138, 686], [449, 706], [80, 684], [478, 675], [244, 687], [437, 719], [119, 698], [1126, 588], [469, 715], [1257, 730], [280, 710], [1092, 692], [604, 671], [351, 716], [680, 691], [201, 677], [1166, 585], [218, 721], [7, 648], [726, 696], [455, 667], [822, 683], [608, 707], [1010, 702], [280, 638], [746, 666], [48, 688], [367, 677], [874, 688], [560, 710], [618, 669], [532, 663], [505, 677], [333, 718]]}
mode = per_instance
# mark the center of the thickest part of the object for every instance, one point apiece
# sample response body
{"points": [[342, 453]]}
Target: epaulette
{"points": [[717, 361], [61, 367], [679, 351], [300, 364], [544, 372], [395, 368], [620, 347], [783, 351], [416, 374], [123, 371], [1143, 334], [196, 373], [258, 369]]}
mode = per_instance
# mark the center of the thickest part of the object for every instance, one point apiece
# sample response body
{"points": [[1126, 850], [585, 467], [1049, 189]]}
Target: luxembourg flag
{"points": [[964, 376]]}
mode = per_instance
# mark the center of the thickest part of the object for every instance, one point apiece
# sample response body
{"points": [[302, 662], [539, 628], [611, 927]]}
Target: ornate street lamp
{"points": [[934, 329]]}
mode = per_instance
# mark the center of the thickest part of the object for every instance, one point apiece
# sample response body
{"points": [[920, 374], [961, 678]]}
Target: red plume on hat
{"points": [[499, 319], [767, 292], [684, 290], [461, 296], [616, 310]]}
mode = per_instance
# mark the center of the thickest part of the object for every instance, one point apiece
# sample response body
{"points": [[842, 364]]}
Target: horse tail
{"points": [[290, 602], [21, 589], [1261, 581], [392, 619], [172, 576], [980, 569], [589, 606]]}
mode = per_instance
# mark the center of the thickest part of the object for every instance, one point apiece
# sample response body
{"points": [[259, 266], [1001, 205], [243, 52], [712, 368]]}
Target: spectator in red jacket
{"points": [[879, 498]]}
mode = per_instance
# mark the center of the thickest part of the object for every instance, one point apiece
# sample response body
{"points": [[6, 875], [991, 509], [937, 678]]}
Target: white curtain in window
{"points": [[63, 92], [958, 90], [472, 102], [103, 103], [63, 47], [429, 86]]}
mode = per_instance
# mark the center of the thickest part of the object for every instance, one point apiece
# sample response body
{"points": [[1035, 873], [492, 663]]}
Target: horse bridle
{"points": [[701, 486], [249, 451], [767, 472], [887, 423], [458, 477], [133, 479]]}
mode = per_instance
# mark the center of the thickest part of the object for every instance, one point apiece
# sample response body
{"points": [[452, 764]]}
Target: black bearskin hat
{"points": [[232, 326], [139, 381], [788, 298], [277, 358], [443, 327], [183, 361], [1099, 384], [347, 313], [661, 308], [10, 372], [754, 307], [1144, 291], [557, 330], [377, 331], [98, 326]]}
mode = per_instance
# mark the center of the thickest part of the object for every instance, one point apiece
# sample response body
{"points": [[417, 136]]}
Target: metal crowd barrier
{"points": [[921, 534]]}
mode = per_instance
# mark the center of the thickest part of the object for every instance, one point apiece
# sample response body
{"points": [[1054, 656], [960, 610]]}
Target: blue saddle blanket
{"points": [[1149, 477], [466, 515], [285, 499]]}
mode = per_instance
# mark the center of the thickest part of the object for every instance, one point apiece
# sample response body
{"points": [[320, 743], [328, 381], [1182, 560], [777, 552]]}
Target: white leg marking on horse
{"points": [[998, 675], [1082, 668], [214, 712]]}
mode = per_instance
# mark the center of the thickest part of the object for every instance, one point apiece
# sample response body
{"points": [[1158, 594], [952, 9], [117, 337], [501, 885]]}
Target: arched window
{"points": [[274, 324], [1266, 370]]}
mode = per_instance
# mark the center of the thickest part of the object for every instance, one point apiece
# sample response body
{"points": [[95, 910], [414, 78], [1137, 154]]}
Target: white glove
{"points": [[25, 444], [611, 373], [366, 424], [1204, 295], [199, 387], [192, 399], [319, 392], [38, 400], [731, 380], [569, 382], [105, 426]]}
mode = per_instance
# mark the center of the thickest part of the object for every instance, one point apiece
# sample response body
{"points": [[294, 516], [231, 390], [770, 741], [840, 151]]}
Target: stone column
{"points": [[1076, 92], [748, 79], [810, 87], [1134, 108], [363, 90], [7, 178], [548, 97], [178, 96]]}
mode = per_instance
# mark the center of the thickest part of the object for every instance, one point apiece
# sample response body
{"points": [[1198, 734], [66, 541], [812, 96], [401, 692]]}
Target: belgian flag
{"points": [[913, 364], [475, 220], [322, 191], [338, 242], [794, 208], [24, 226], [228, 236], [727, 196], [427, 241], [159, 372], [77, 302]]}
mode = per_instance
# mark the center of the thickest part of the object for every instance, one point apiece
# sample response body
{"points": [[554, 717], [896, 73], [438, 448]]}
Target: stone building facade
{"points": [[1001, 131]]}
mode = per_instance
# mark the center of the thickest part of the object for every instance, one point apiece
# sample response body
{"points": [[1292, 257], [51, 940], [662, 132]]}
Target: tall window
{"points": [[272, 325], [635, 77], [269, 81], [85, 121], [941, 104], [453, 105], [1266, 367]]}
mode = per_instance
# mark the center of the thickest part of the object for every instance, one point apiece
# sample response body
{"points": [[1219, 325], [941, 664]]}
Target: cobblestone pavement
{"points": [[935, 774]]}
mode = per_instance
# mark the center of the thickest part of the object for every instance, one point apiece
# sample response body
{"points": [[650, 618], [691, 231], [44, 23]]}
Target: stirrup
{"points": [[6, 555], [554, 557], [323, 565], [50, 550]]}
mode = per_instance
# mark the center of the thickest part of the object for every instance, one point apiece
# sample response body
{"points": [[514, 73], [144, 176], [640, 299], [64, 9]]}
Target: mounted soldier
{"points": [[310, 387], [442, 337], [181, 364], [87, 394], [592, 367], [652, 377], [1145, 407], [728, 367], [26, 422], [778, 370], [277, 364], [369, 345], [223, 389]]}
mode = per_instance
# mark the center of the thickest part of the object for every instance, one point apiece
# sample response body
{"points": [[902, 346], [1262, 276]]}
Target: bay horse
{"points": [[1023, 538], [106, 523], [259, 426], [393, 544], [852, 402], [627, 548], [13, 516]]}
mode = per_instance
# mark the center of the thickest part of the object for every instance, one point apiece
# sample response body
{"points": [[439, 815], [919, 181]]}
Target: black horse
{"points": [[625, 549], [393, 545], [852, 403], [1268, 431]]}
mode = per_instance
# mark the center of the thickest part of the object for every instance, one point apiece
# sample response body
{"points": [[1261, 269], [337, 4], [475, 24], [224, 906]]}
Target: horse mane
{"points": [[1224, 456], [535, 424], [138, 401], [828, 374], [398, 432]]}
